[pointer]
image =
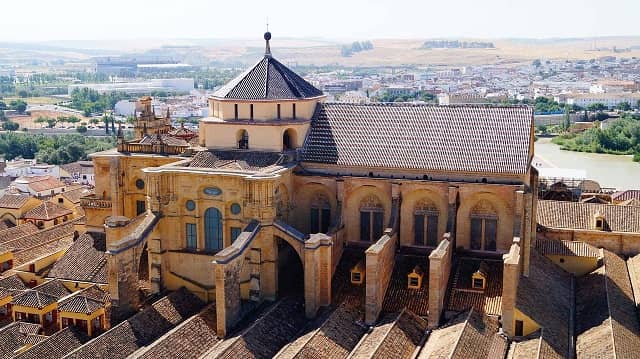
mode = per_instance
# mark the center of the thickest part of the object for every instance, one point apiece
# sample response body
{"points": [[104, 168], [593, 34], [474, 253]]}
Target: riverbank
{"points": [[617, 171]]}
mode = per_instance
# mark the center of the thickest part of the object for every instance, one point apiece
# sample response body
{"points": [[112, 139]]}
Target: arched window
{"points": [[484, 226], [289, 139], [425, 224], [371, 219], [212, 229], [320, 216], [243, 139]]}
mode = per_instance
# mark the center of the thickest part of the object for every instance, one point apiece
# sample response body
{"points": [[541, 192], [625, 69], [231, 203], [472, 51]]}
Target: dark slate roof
{"points": [[444, 138], [42, 295], [84, 261], [576, 215], [268, 80], [13, 337], [57, 345]]}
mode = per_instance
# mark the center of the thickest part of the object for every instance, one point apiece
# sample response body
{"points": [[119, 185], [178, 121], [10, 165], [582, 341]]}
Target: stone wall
{"points": [[439, 271], [380, 258], [622, 243], [512, 264]]}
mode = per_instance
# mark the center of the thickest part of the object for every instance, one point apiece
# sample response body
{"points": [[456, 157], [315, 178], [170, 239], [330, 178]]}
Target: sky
{"points": [[46, 20]]}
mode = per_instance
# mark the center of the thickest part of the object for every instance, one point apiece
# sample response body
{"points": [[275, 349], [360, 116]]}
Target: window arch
{"points": [[320, 214], [243, 139], [371, 219], [484, 226], [213, 230], [289, 139], [425, 223]]}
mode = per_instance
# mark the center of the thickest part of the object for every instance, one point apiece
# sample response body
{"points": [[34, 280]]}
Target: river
{"points": [[608, 170]]}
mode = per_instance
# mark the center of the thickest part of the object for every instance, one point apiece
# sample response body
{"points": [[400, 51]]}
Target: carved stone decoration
{"points": [[484, 209], [320, 200], [425, 206], [370, 202]]}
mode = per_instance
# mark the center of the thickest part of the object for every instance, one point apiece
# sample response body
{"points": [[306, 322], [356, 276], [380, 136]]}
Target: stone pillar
{"points": [[380, 259], [439, 271], [227, 277], [117, 205], [527, 239], [452, 212], [510, 280], [317, 273], [268, 260]]}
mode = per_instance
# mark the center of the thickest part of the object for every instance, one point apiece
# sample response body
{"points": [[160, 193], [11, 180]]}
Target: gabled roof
{"points": [[46, 211], [85, 301], [14, 200], [576, 215], [13, 337], [268, 80], [57, 345], [42, 295], [491, 139], [566, 248], [84, 261], [626, 195]]}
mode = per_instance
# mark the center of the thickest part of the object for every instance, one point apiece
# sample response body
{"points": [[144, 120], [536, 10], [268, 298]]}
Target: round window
{"points": [[140, 183], [191, 205], [235, 208]]}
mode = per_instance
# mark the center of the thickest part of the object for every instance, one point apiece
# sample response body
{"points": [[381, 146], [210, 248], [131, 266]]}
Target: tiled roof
{"points": [[13, 337], [193, 337], [469, 335], [162, 139], [14, 201], [42, 295], [396, 336], [141, 329], [75, 194], [633, 265], [566, 248], [18, 231], [265, 336], [57, 345], [237, 160], [86, 301], [551, 310], [630, 202], [84, 261], [426, 137], [12, 282], [54, 246], [626, 195], [575, 215], [463, 297], [46, 211], [339, 334], [398, 296], [41, 183], [31, 246], [267, 80]]}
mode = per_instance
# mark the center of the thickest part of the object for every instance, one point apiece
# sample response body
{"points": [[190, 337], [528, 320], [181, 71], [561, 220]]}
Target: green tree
{"points": [[23, 93], [18, 105], [11, 126], [596, 107], [82, 129], [3, 106], [567, 118], [624, 106]]}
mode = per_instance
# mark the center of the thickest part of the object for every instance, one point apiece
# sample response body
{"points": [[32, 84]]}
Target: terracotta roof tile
{"points": [[193, 337], [141, 329], [398, 296], [237, 160], [267, 79], [46, 211], [566, 248], [13, 337], [41, 183], [462, 296], [41, 295], [75, 194], [18, 231], [30, 246], [626, 195], [575, 215], [84, 261], [550, 311], [441, 138], [14, 201], [57, 345]]}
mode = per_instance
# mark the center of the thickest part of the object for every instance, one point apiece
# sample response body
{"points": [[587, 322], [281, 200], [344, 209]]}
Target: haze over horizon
{"points": [[40, 20]]}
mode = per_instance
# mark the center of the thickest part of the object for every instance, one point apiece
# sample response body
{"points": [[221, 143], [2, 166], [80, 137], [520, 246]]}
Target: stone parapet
{"points": [[380, 259], [512, 262], [439, 271]]}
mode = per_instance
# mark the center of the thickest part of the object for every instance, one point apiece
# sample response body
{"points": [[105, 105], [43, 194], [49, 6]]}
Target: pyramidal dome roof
{"points": [[268, 80]]}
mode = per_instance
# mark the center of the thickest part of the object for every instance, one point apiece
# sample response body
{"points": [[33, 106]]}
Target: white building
{"points": [[38, 186], [610, 100], [26, 167], [142, 87]]}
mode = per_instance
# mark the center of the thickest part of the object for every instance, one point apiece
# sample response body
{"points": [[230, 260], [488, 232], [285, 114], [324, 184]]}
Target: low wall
{"points": [[622, 243], [380, 258], [439, 272]]}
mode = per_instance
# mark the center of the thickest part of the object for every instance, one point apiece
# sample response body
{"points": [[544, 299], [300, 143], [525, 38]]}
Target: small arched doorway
{"points": [[290, 270], [243, 139], [289, 139]]}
